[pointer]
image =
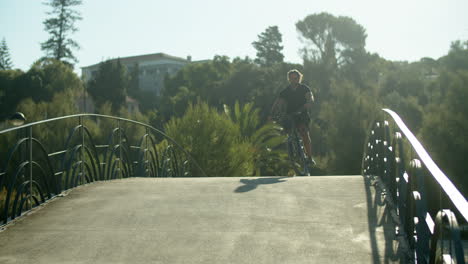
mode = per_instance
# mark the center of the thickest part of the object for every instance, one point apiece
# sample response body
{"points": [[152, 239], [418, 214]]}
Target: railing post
{"points": [[379, 151], [370, 169], [446, 219], [402, 180], [120, 150], [423, 230], [146, 154], [82, 148], [387, 157], [30, 168]]}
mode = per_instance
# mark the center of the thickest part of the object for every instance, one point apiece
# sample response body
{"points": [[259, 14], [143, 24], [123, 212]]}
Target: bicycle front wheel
{"points": [[298, 157]]}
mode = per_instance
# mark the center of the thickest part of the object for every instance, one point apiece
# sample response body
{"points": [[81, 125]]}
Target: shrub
{"points": [[213, 140]]}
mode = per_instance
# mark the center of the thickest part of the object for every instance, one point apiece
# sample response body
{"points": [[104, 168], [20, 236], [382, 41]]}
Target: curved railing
{"points": [[429, 207], [42, 159]]}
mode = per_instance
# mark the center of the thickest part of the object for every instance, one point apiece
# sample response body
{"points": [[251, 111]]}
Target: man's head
{"points": [[294, 77]]}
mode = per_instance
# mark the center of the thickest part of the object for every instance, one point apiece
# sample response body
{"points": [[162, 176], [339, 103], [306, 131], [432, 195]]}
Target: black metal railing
{"points": [[40, 160], [429, 208]]}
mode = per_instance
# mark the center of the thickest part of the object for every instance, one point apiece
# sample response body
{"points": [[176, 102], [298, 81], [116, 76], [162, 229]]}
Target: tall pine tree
{"points": [[269, 47], [59, 46], [5, 60]]}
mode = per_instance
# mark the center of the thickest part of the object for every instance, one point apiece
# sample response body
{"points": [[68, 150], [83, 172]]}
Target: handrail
{"points": [[78, 115], [110, 117], [32, 172], [452, 192], [415, 190]]}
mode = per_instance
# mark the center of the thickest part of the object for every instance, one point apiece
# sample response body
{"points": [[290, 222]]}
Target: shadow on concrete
{"points": [[380, 217], [252, 184]]}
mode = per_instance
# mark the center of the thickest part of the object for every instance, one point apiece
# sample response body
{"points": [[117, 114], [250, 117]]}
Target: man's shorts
{"points": [[297, 120]]}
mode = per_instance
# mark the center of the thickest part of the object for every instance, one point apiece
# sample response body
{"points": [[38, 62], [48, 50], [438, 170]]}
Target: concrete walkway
{"points": [[206, 220]]}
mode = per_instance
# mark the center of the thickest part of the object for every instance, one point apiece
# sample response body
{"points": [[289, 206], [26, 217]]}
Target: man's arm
{"points": [[309, 101], [278, 106]]}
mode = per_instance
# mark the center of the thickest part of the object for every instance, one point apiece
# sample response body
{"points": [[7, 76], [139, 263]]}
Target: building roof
{"points": [[146, 57]]}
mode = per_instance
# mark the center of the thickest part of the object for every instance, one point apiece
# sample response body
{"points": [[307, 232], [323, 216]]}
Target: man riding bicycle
{"points": [[295, 101]]}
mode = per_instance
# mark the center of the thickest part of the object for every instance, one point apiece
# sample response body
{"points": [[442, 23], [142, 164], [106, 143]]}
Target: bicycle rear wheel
{"points": [[297, 156]]}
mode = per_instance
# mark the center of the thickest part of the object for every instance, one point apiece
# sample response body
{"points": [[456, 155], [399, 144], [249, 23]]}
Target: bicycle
{"points": [[296, 150]]}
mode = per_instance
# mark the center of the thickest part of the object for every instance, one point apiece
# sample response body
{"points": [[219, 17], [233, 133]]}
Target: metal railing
{"points": [[40, 160], [429, 208]]}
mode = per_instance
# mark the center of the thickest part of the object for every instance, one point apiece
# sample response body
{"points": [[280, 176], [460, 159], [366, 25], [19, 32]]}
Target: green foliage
{"points": [[445, 125], [331, 43], [8, 89], [147, 99], [133, 131], [51, 134], [179, 102], [408, 109], [405, 81], [52, 76], [365, 70], [110, 84], [213, 140], [62, 103], [348, 115], [5, 60], [223, 82], [330, 37], [33, 111], [242, 84], [444, 135], [45, 78], [59, 46], [196, 80], [319, 77], [268, 46], [457, 57], [266, 140]]}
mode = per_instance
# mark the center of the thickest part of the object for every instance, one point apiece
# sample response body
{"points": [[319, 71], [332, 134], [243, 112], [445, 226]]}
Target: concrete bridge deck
{"points": [[206, 220]]}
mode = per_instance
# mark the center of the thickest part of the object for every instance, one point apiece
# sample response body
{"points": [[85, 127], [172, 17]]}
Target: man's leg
{"points": [[304, 132]]}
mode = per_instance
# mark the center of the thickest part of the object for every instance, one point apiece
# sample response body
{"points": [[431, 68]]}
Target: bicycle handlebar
{"points": [[288, 115]]}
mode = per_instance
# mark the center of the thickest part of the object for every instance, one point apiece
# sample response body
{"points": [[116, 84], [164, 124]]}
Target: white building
{"points": [[152, 68]]}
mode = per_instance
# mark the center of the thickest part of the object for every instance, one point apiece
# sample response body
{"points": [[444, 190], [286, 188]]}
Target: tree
{"points": [[8, 91], [266, 140], [458, 56], [213, 140], [242, 84], [59, 46], [62, 103], [348, 116], [269, 47], [110, 84], [445, 125], [196, 80], [5, 60], [52, 76], [331, 37], [45, 78], [331, 42]]}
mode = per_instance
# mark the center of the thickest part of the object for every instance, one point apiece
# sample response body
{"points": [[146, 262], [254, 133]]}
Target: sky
{"points": [[402, 30]]}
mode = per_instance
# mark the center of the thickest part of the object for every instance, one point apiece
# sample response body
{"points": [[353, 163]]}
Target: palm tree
{"points": [[266, 140]]}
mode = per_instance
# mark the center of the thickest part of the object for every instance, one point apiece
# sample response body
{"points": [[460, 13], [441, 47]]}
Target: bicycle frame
{"points": [[296, 152]]}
